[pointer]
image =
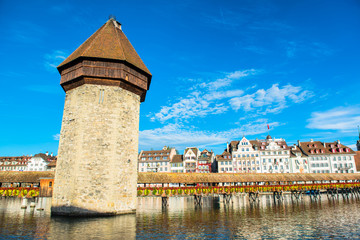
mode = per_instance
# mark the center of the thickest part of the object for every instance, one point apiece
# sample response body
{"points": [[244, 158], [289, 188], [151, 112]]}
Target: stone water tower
{"points": [[105, 80]]}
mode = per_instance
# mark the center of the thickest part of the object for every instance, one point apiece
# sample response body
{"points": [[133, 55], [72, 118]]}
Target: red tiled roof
{"points": [[335, 148], [108, 42], [313, 148], [223, 155], [259, 143], [177, 159], [155, 154]]}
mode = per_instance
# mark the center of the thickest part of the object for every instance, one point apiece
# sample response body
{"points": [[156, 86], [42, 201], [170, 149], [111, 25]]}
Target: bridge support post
{"points": [[278, 196], [164, 201], [253, 197], [315, 194], [197, 200], [227, 198], [296, 194]]}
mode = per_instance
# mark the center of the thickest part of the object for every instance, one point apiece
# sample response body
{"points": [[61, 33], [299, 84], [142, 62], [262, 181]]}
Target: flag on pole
{"points": [[268, 126]]}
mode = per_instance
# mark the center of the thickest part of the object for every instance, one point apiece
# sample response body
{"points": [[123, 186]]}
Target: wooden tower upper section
{"points": [[106, 58]]}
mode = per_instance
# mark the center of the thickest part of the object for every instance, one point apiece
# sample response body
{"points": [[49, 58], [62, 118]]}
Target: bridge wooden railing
{"points": [[183, 191]]}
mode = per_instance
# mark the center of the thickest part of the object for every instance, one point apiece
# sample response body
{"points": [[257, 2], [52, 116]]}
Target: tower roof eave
{"points": [[110, 43]]}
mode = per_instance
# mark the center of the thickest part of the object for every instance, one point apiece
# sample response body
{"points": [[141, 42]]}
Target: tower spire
{"points": [[358, 141]]}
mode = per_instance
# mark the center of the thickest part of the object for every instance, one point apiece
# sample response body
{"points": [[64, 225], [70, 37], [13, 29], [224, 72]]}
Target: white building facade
{"points": [[245, 156], [191, 155], [177, 164], [156, 160], [39, 162], [274, 155]]}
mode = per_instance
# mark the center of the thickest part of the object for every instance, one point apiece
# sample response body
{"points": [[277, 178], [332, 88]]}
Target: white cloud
{"points": [[205, 99], [179, 136], [343, 119], [274, 99], [56, 137], [224, 82], [54, 59], [193, 106]]}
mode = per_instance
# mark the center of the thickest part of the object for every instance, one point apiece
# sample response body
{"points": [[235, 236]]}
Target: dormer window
{"points": [[347, 150], [340, 150], [333, 150], [332, 145], [322, 150], [314, 146]]}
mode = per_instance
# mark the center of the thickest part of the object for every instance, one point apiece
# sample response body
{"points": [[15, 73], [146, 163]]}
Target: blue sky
{"points": [[221, 69]]}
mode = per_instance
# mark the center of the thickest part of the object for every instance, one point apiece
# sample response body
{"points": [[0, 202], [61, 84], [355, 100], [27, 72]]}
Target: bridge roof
{"points": [[34, 177], [241, 177], [24, 177]]}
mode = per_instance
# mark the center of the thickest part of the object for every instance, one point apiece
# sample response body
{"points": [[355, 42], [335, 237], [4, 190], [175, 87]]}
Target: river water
{"points": [[306, 219]]}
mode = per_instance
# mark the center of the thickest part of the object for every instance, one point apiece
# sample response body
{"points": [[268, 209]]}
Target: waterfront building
{"points": [[51, 166], [224, 162], [318, 156], [342, 158], [156, 160], [245, 156], [332, 157], [18, 163], [40, 162], [206, 161], [258, 156], [298, 160], [191, 155], [274, 155], [177, 164]]}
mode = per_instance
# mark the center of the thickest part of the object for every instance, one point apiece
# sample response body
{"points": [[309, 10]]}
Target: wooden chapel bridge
{"points": [[200, 185]]}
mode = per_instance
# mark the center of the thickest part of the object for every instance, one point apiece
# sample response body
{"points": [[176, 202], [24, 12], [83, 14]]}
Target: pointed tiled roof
{"points": [[108, 42], [177, 159]]}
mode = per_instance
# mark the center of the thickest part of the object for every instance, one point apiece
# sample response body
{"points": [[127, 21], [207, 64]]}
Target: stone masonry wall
{"points": [[96, 171]]}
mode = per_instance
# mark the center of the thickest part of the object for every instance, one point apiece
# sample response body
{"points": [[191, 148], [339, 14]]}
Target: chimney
{"points": [[227, 146], [338, 141], [294, 146], [311, 140], [47, 153], [51, 154], [298, 143], [324, 144]]}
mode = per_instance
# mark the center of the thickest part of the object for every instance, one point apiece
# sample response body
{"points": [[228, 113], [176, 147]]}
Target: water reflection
{"points": [[267, 219], [264, 219], [32, 223]]}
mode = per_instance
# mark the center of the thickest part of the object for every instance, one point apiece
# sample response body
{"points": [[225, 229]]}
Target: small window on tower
{"points": [[101, 96]]}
